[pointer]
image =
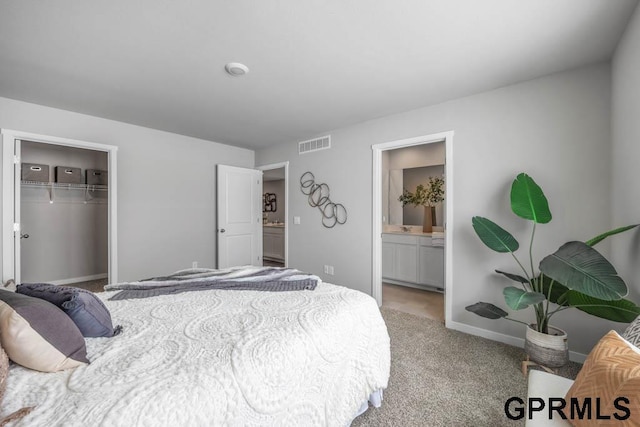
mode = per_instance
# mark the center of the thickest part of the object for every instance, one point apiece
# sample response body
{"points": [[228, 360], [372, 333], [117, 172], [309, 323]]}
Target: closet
{"points": [[64, 214]]}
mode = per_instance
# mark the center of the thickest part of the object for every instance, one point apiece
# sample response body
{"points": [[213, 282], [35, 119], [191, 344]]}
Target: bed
{"points": [[220, 357]]}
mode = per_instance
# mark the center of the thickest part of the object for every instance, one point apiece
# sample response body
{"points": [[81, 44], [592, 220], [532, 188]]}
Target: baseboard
{"points": [[574, 356], [80, 279], [413, 285]]}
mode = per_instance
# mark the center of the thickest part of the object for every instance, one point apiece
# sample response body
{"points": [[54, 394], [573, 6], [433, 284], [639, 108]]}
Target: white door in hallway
{"points": [[239, 229]]}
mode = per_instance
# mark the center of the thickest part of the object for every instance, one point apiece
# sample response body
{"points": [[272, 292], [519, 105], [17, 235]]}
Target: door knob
{"points": [[222, 230], [24, 236]]}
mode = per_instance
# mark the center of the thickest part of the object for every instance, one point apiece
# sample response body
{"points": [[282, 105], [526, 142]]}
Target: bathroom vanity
{"points": [[410, 259], [273, 241]]}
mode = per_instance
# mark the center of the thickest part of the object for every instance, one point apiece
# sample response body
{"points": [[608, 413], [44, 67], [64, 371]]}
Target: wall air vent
{"points": [[317, 144]]}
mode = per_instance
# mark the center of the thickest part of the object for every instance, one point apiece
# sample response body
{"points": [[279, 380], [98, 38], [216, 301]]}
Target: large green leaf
{"points": [[517, 299], [559, 292], [528, 201], [580, 267], [621, 310], [514, 277], [601, 237], [494, 236], [485, 309]]}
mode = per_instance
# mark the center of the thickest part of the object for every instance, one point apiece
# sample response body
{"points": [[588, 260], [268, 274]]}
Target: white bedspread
{"points": [[210, 358]]}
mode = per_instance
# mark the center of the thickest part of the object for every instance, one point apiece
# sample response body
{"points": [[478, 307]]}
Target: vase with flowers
{"points": [[427, 195]]}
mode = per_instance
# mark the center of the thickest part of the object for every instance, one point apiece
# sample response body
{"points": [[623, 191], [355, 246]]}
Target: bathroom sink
{"points": [[407, 229]]}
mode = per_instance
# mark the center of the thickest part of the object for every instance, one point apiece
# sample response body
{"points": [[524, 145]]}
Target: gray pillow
{"points": [[85, 309], [38, 335], [632, 333]]}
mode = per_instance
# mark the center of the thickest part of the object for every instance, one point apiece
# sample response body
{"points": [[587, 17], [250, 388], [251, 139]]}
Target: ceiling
{"points": [[315, 65]]}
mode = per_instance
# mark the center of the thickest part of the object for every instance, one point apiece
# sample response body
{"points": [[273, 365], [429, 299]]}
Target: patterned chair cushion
{"points": [[632, 333], [610, 371]]}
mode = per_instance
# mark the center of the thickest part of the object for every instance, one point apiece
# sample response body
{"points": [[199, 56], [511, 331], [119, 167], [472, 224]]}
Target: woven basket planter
{"points": [[550, 349]]}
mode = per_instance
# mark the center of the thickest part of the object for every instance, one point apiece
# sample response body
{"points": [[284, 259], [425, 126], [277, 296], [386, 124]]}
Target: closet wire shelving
{"points": [[53, 187]]}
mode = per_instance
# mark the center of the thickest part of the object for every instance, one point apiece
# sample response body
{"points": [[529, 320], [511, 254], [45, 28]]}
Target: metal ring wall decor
{"points": [[332, 213]]}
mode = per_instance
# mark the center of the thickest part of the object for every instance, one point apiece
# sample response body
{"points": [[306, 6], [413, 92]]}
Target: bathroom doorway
{"points": [[275, 224], [412, 264]]}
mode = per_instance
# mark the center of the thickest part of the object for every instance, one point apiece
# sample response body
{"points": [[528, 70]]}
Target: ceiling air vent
{"points": [[311, 145]]}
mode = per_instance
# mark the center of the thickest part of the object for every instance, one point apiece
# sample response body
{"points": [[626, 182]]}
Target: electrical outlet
{"points": [[296, 220], [326, 269], [331, 270], [194, 264]]}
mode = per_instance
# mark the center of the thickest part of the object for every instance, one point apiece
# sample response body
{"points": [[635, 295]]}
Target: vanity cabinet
{"points": [[411, 260], [273, 243], [400, 257], [431, 266]]}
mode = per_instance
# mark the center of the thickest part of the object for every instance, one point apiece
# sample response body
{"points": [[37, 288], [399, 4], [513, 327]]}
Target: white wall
{"points": [[555, 128], [385, 185], [67, 238], [417, 156], [625, 185], [166, 186]]}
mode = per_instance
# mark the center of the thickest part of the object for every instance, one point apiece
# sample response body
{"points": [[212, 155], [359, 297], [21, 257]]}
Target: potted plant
{"points": [[427, 196], [576, 275]]}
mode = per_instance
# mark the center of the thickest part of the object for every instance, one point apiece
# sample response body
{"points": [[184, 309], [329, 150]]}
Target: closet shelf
{"points": [[60, 185], [90, 192]]}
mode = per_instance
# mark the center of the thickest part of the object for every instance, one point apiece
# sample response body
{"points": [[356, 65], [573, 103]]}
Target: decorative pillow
{"points": [[611, 371], [632, 333], [4, 373], [85, 309], [38, 335]]}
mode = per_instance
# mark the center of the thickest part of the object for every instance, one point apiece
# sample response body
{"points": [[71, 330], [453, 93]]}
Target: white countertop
{"points": [[409, 230], [273, 224], [408, 233]]}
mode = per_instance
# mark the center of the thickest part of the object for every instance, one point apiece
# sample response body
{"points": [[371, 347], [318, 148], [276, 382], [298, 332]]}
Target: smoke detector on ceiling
{"points": [[236, 69]]}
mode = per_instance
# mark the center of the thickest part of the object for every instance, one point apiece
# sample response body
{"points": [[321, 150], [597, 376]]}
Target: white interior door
{"points": [[239, 229], [17, 225], [11, 214]]}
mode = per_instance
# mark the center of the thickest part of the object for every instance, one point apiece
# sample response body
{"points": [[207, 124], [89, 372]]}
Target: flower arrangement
{"points": [[425, 195]]}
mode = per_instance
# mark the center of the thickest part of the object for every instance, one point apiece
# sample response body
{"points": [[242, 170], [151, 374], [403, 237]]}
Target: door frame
{"points": [[376, 256], [8, 196], [284, 165]]}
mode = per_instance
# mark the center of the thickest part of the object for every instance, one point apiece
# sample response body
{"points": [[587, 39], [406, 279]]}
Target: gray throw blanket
{"points": [[270, 279]]}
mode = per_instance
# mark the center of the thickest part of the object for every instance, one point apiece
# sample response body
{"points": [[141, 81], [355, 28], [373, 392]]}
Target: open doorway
{"points": [[99, 196], [412, 262], [64, 215], [275, 214]]}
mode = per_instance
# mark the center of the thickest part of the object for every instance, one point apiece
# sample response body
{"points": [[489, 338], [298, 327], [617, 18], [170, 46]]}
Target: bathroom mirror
{"points": [[407, 168]]}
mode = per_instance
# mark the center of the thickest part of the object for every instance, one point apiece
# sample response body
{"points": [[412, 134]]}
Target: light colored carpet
{"points": [[441, 377]]}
